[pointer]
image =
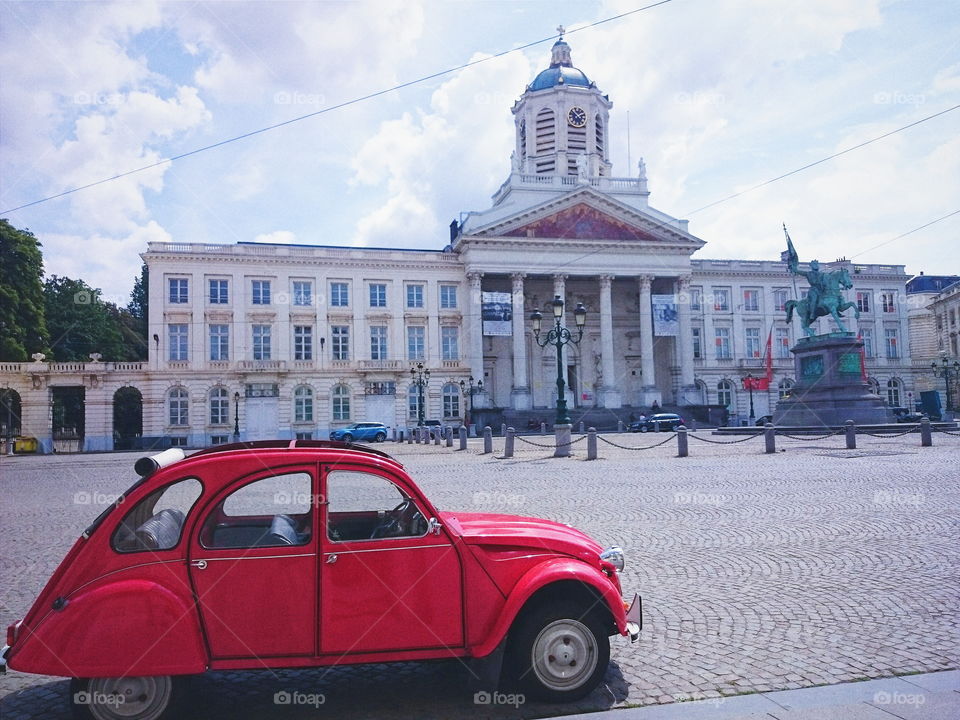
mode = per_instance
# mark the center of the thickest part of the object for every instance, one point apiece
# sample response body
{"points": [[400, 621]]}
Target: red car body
{"points": [[223, 597]]}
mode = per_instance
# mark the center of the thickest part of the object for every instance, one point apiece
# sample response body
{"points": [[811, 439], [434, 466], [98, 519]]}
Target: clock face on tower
{"points": [[577, 117]]}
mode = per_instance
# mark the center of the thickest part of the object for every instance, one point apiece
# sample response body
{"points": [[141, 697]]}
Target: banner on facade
{"points": [[665, 318], [497, 313]]}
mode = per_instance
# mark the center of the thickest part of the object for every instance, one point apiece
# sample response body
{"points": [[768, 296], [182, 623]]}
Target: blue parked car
{"points": [[361, 431]]}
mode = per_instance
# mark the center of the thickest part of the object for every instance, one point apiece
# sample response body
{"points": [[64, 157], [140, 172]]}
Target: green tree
{"points": [[135, 317], [81, 324], [22, 327]]}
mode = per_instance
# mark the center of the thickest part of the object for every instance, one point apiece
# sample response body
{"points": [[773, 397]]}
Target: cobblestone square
{"points": [[758, 572]]}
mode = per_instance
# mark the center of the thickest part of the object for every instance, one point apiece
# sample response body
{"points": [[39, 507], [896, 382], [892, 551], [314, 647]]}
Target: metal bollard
{"points": [[394, 434], [682, 442], [449, 437], [656, 426], [926, 437], [487, 440], [543, 428], [581, 427], [769, 438], [503, 430], [436, 436], [851, 431], [592, 444], [508, 443], [619, 426], [462, 432], [409, 437]]}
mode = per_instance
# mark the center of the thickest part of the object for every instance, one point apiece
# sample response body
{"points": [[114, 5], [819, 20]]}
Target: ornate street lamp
{"points": [[948, 372], [559, 336], [420, 378], [236, 417], [748, 385], [468, 393]]}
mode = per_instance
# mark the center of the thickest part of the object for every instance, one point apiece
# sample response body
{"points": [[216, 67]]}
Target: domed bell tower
{"points": [[560, 117]]}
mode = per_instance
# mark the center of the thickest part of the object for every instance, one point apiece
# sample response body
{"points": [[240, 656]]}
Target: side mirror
{"points": [[433, 526]]}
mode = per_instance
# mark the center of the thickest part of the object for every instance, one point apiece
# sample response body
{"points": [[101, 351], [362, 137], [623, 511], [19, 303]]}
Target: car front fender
{"points": [[540, 577], [128, 627]]}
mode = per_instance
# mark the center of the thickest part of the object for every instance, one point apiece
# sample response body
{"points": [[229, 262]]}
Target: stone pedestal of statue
{"points": [[830, 387]]}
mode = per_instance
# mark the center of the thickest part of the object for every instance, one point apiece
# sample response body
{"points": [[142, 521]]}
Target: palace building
{"points": [[295, 340]]}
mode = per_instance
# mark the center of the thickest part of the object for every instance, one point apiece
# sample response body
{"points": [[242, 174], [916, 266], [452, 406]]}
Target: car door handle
{"points": [[332, 558], [199, 564]]}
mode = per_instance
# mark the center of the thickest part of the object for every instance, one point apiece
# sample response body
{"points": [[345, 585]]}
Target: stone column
{"points": [[649, 392], [475, 335], [520, 394], [688, 389], [609, 392]]}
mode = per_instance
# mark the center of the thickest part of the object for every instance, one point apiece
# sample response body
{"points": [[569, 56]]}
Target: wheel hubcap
{"points": [[131, 698], [564, 654]]}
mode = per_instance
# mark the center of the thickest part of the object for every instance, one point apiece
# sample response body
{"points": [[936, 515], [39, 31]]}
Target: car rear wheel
{"points": [[643, 428], [559, 653], [126, 698], [381, 436]]}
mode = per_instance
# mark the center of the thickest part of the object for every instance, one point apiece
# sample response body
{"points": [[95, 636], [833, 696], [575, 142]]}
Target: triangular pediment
{"points": [[580, 222]]}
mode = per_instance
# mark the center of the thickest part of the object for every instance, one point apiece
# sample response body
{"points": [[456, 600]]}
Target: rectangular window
{"points": [[378, 342], [696, 299], [867, 335], [179, 291], [416, 342], [340, 342], [219, 439], [893, 351], [783, 343], [261, 292], [304, 436], [219, 342], [451, 402], [889, 302], [177, 333], [448, 297], [378, 295], [751, 300], [219, 294], [723, 343], [219, 408], [302, 342], [414, 296], [780, 300], [863, 301], [339, 294], [697, 343], [450, 343], [302, 292], [261, 342], [752, 338], [721, 299]]}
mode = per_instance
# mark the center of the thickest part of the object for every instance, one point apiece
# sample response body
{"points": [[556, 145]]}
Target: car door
{"points": [[253, 565], [388, 583]]}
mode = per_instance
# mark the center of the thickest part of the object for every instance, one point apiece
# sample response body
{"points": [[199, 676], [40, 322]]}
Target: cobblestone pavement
{"points": [[759, 572]]}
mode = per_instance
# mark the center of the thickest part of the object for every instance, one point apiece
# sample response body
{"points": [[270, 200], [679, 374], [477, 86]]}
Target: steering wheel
{"points": [[398, 521]]}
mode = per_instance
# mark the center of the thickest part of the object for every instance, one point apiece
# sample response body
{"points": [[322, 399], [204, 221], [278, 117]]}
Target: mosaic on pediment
{"points": [[580, 222]]}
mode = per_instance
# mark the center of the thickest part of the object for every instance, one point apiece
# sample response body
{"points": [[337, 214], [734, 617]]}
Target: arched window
{"points": [[177, 400], [784, 387], [413, 402], [341, 402], [725, 394], [894, 387], [451, 401], [303, 404], [219, 406]]}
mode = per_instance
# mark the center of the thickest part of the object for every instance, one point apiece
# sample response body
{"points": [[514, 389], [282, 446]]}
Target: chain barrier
{"points": [[889, 435], [627, 447], [945, 431], [551, 445], [811, 437], [754, 436]]}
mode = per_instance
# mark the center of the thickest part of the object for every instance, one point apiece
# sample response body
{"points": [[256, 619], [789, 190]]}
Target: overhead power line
{"points": [[823, 160], [331, 108], [908, 232]]}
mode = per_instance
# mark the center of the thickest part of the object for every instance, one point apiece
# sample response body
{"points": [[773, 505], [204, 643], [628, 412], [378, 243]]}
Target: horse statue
{"points": [[829, 300]]}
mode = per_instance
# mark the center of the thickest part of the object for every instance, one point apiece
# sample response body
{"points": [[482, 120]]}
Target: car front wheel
{"points": [[559, 653], [643, 428], [347, 438], [126, 698], [381, 436]]}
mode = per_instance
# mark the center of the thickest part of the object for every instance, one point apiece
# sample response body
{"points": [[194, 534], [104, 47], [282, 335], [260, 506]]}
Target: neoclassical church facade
{"points": [[294, 340]]}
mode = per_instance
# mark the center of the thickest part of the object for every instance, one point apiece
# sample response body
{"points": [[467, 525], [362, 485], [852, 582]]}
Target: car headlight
{"points": [[614, 556]]}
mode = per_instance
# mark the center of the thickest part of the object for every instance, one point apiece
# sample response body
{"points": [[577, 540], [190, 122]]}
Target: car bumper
{"points": [[635, 618]]}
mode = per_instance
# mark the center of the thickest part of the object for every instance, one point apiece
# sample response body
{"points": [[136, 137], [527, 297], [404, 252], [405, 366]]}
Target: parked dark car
{"points": [[659, 421], [763, 420]]}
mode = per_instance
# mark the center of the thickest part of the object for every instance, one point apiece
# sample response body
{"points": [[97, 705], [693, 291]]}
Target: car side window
{"points": [[364, 506], [270, 512], [156, 522]]}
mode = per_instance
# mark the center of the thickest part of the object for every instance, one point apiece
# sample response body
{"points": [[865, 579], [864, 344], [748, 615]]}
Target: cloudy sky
{"points": [[721, 96]]}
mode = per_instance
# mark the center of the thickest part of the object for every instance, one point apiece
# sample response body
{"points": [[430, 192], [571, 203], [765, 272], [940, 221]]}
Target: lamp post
{"points": [[559, 336], [236, 416], [748, 385], [468, 392], [420, 378], [948, 372]]}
